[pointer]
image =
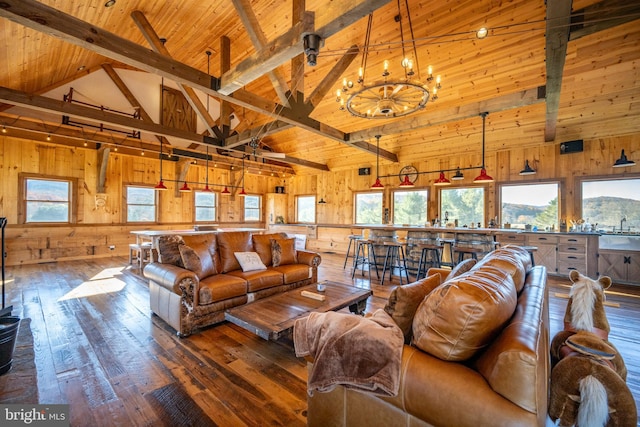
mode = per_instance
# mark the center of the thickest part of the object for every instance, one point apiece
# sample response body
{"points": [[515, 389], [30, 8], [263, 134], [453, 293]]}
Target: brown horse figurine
{"points": [[588, 375]]}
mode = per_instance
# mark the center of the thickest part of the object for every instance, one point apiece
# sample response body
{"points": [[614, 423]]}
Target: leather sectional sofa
{"points": [[198, 277], [465, 365]]}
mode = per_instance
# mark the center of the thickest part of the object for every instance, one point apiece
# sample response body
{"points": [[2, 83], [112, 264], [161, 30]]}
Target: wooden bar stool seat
{"points": [[465, 251], [352, 243], [394, 259]]}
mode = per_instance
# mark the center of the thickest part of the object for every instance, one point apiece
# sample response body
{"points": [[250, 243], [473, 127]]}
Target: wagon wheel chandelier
{"points": [[389, 97]]}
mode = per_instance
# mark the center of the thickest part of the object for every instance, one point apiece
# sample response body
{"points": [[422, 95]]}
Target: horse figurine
{"points": [[588, 375]]}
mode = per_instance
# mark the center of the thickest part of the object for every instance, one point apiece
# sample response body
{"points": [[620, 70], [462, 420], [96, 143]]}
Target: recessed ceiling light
{"points": [[80, 68], [482, 33], [110, 3]]}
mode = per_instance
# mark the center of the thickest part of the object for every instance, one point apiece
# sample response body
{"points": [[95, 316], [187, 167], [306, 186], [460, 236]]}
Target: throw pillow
{"points": [[197, 259], [250, 261], [262, 245], [283, 252], [464, 314], [404, 301], [168, 252]]}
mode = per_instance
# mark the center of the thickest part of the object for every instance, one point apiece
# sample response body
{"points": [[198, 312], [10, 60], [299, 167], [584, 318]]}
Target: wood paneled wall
{"points": [[503, 165], [99, 227]]}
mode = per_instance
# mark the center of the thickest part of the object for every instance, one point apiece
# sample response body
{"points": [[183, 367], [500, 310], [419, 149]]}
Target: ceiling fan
{"points": [[260, 149]]}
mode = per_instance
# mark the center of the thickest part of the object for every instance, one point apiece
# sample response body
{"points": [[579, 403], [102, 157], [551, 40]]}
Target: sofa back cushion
{"points": [[262, 245], [228, 244], [464, 314], [513, 259], [168, 252]]}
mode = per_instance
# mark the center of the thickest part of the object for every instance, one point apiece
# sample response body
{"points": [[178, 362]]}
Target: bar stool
{"points": [[352, 241], [472, 252], [394, 258], [449, 243], [429, 258], [141, 253], [365, 256]]}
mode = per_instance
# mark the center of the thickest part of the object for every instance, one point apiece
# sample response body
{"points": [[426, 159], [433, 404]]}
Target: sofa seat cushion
{"points": [[220, 287], [463, 315], [228, 244], [293, 272], [259, 279]]}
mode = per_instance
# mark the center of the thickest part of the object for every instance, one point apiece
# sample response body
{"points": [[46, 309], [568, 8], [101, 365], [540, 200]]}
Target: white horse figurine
{"points": [[588, 376]]}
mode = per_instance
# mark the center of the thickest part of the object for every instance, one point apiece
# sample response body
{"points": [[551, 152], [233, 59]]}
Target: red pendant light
{"points": [[225, 191], [442, 180], [483, 177], [377, 184], [185, 188], [160, 186], [406, 182]]}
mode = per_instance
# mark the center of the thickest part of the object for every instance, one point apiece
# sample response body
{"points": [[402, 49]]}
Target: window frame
{"points": [[355, 206], [499, 186], [297, 206], [72, 202], [409, 190], [215, 206], [485, 193], [156, 201], [580, 180], [244, 208]]}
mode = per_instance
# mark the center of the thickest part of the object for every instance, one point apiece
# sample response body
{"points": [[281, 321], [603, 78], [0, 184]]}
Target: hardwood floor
{"points": [[99, 349]]}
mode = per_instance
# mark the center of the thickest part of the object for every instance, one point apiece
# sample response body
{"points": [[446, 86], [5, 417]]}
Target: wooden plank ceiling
{"points": [[544, 74]]}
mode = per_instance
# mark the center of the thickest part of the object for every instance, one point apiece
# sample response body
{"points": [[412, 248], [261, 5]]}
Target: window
{"points": [[305, 208], [466, 205], [410, 207], [47, 200], [141, 204], [205, 205], [252, 208], [368, 208], [530, 204], [612, 204]]}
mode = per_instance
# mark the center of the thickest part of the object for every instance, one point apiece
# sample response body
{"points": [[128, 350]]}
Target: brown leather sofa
{"points": [[505, 383], [198, 277]]}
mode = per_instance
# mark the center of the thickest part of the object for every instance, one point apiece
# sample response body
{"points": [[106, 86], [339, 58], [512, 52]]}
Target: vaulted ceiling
{"points": [[545, 73]]}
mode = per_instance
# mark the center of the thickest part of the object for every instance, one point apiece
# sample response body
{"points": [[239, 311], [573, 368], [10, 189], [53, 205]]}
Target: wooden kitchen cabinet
{"points": [[547, 250], [621, 266]]}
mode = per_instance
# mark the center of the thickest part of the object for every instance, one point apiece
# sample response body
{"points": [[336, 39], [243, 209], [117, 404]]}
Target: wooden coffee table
{"points": [[273, 317]]}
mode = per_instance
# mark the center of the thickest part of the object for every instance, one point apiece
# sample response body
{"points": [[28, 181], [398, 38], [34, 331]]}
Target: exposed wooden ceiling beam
{"points": [[259, 41], [438, 117], [305, 163], [261, 131], [158, 46], [324, 23], [133, 101], [50, 105], [601, 16], [332, 76], [43, 18], [557, 39]]}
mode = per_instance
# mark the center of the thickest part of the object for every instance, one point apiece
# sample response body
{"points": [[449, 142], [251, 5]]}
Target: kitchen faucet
{"points": [[624, 219]]}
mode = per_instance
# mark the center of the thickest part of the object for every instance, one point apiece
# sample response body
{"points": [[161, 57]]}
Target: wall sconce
{"points": [[321, 201], [527, 169], [623, 162]]}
